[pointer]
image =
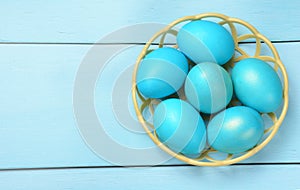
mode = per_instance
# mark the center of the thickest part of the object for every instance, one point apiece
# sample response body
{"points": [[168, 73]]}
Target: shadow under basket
{"points": [[261, 46]]}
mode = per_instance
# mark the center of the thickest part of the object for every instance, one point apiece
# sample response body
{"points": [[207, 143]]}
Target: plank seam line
{"points": [[141, 166], [115, 43]]}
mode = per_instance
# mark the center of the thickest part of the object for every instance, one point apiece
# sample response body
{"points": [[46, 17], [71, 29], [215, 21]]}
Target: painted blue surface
{"points": [[37, 125], [38, 133], [84, 21], [236, 177]]}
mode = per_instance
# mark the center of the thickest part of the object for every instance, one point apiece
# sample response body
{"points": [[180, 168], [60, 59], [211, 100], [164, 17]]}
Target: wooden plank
{"points": [[87, 21], [234, 177], [37, 125]]}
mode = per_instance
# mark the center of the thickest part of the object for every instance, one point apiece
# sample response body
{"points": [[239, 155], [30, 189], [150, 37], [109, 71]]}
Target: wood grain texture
{"points": [[38, 128], [43, 43], [234, 177], [86, 21]]}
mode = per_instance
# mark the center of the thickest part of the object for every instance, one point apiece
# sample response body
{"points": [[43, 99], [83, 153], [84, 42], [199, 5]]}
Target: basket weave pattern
{"points": [[207, 157]]}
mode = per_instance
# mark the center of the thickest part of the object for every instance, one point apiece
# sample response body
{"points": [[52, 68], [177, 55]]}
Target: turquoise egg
{"points": [[257, 85], [179, 126], [208, 87], [161, 73], [235, 130], [205, 41]]}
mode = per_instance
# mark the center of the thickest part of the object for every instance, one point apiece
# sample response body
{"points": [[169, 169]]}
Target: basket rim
{"points": [[259, 37]]}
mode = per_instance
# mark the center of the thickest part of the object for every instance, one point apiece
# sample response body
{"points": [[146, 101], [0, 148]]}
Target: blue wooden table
{"points": [[43, 44]]}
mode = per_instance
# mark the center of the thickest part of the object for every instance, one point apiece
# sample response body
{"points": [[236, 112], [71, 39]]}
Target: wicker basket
{"points": [[208, 156]]}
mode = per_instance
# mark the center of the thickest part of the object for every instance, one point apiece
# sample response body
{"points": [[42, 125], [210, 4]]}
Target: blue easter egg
{"points": [[235, 130], [205, 41], [208, 87], [180, 127], [161, 73], [257, 85]]}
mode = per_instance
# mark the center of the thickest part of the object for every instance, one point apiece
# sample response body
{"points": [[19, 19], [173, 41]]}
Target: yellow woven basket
{"points": [[208, 157]]}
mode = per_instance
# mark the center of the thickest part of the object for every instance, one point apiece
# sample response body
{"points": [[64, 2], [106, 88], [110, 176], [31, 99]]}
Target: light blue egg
{"points": [[235, 130], [257, 85], [205, 41], [161, 73], [180, 127], [208, 87]]}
